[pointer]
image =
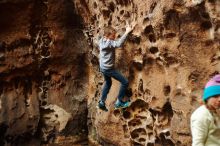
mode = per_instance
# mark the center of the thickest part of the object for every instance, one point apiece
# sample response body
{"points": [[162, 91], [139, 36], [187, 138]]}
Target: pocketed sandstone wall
{"points": [[50, 81], [172, 52], [43, 73]]}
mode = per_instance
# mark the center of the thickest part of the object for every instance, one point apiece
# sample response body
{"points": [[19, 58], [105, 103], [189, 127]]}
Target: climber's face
{"points": [[112, 35], [214, 102]]}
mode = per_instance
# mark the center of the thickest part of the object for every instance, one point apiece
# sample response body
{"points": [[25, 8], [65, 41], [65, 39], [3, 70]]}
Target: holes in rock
{"points": [[152, 38], [112, 6], [134, 134], [209, 42], [95, 5], [122, 12], [167, 108], [205, 15], [146, 19], [153, 112], [137, 144], [150, 134], [148, 60], [139, 104], [134, 122], [150, 144], [139, 51], [149, 127], [154, 98], [126, 115], [135, 39], [167, 133], [141, 140], [123, 2], [148, 29], [170, 35], [164, 141], [153, 50], [147, 91], [171, 20], [178, 143], [116, 113], [43, 103], [170, 59], [127, 14], [206, 25], [140, 131], [137, 65], [106, 13], [166, 90], [94, 60]]}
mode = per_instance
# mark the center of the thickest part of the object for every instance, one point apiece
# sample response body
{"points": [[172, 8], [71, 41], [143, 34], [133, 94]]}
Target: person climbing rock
{"points": [[107, 45], [205, 121]]}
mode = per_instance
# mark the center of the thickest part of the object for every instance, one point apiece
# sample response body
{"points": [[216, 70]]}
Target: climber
{"points": [[205, 121], [107, 45]]}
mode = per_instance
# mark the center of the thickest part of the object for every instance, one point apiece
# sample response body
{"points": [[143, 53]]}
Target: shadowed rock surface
{"points": [[50, 81]]}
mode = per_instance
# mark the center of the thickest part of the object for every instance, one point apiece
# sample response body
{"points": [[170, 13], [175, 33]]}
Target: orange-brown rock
{"points": [[49, 73], [168, 57]]}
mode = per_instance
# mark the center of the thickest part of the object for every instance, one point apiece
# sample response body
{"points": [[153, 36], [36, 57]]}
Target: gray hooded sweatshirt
{"points": [[107, 51]]}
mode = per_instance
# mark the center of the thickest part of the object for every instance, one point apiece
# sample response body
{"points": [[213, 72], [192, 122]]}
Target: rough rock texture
{"points": [[43, 73], [172, 52], [50, 81]]}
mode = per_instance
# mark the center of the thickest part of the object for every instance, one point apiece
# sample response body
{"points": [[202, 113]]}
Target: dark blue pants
{"points": [[112, 73]]}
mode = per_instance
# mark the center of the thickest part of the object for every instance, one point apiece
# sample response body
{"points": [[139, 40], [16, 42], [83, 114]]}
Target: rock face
{"points": [[172, 52], [50, 81], [43, 73]]}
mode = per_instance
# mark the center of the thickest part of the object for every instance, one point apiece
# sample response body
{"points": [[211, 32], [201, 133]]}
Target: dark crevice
{"points": [[137, 65], [166, 90], [22, 42], [111, 6], [134, 39], [172, 21], [168, 110], [153, 50], [206, 25], [148, 29]]}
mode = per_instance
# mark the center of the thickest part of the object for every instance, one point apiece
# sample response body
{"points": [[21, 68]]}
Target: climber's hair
{"points": [[108, 31]]}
